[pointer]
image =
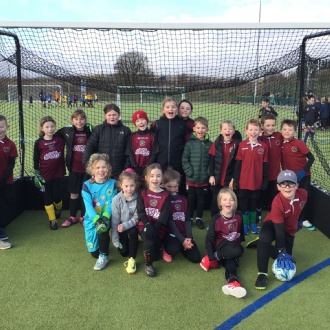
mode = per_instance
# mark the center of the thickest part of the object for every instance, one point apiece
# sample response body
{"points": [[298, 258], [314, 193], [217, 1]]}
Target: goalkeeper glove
{"points": [[89, 126], [150, 231], [101, 224], [39, 181], [285, 260]]}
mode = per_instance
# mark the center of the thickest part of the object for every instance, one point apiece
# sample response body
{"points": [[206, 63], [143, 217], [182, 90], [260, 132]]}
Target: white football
{"points": [[281, 274]]}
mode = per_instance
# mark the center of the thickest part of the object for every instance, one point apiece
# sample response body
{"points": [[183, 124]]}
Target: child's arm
{"points": [[310, 160], [36, 156], [175, 231], [154, 152], [237, 173], [131, 222], [9, 170], [88, 201], [209, 239], [115, 221], [186, 162], [91, 146], [142, 215]]}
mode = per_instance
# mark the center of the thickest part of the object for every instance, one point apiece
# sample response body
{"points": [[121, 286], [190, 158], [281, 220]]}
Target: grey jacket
{"points": [[124, 213]]}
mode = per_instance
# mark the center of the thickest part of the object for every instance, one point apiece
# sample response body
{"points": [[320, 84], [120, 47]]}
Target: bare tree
{"points": [[132, 67]]}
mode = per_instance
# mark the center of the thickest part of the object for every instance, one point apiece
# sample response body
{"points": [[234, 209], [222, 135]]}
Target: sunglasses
{"points": [[288, 184]]}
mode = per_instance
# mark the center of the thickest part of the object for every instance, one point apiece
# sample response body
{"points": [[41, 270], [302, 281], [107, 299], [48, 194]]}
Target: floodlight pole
{"points": [[20, 97]]}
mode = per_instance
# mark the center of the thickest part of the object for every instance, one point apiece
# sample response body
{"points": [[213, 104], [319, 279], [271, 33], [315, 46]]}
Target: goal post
{"points": [[141, 94], [33, 90]]}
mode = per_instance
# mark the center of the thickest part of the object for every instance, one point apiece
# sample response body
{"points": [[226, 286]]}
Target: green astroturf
{"points": [[47, 281]]}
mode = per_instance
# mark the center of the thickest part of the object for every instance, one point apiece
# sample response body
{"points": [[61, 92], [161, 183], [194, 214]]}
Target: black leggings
{"points": [[265, 250], [173, 246], [196, 196], [129, 240], [154, 247], [104, 241], [228, 253], [52, 191]]}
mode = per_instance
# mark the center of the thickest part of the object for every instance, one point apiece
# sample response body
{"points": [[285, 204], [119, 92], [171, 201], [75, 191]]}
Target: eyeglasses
{"points": [[288, 184]]}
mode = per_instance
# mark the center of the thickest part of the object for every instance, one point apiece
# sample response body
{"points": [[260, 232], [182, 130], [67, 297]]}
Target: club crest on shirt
{"points": [[153, 202], [51, 147], [177, 207], [142, 143], [294, 149], [6, 149], [109, 192], [81, 140], [231, 227], [260, 151], [278, 142]]}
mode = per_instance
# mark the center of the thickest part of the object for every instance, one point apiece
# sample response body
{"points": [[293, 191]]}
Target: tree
{"points": [[132, 68]]}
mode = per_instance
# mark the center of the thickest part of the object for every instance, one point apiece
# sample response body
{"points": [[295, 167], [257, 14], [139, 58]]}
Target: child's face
{"points": [[185, 110], [269, 126], [100, 171], [252, 132], [112, 117], [200, 130], [264, 104], [227, 132], [226, 203], [287, 189], [3, 129], [48, 128], [288, 132], [170, 110], [311, 100], [141, 124], [154, 178], [79, 123], [172, 187], [128, 187]]}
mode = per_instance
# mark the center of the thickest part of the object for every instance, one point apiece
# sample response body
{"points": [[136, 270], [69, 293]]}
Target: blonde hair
{"points": [[224, 191], [228, 122], [44, 120], [166, 100], [129, 176], [150, 168], [171, 175], [91, 162]]}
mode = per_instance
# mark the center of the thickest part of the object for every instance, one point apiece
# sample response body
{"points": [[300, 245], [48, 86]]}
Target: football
{"points": [[281, 274]]}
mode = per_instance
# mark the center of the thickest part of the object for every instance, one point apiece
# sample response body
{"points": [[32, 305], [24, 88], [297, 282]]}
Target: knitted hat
{"points": [[139, 114]]}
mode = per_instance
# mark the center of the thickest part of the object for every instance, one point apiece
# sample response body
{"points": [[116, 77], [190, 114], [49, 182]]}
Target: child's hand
{"points": [[120, 228], [187, 245], [212, 181], [231, 184]]}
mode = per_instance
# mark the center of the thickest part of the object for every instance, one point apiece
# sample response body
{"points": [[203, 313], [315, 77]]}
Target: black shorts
{"points": [[75, 182]]}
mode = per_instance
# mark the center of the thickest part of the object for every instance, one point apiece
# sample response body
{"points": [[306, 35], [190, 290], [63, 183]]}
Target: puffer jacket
{"points": [[111, 140], [195, 159]]}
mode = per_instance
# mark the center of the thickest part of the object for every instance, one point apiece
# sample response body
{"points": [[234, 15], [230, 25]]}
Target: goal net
{"points": [[225, 71]]}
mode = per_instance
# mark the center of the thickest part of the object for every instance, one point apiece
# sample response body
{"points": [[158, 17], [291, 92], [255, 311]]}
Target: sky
{"points": [[168, 11]]}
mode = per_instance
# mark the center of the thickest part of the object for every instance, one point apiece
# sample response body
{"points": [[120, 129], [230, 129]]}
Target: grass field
{"points": [[214, 112], [47, 282]]}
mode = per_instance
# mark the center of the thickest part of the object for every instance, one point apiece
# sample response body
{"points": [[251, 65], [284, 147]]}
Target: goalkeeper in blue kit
{"points": [[97, 194], [280, 225]]}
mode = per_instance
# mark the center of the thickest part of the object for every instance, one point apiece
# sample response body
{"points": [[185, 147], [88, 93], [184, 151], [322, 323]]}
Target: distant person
{"points": [[266, 109], [8, 155], [31, 101], [309, 117], [98, 194]]}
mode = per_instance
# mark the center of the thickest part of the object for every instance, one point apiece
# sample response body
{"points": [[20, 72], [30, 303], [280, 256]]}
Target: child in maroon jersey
{"points": [[8, 154], [223, 242], [280, 225], [180, 237], [185, 110], [49, 167], [141, 147], [297, 157], [153, 206], [251, 174], [222, 162], [75, 137], [274, 142]]}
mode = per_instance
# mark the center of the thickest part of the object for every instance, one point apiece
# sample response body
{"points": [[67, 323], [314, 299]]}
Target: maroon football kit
{"points": [[7, 150], [79, 144], [142, 147]]}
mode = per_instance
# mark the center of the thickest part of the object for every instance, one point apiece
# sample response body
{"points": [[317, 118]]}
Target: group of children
{"points": [[148, 184]]}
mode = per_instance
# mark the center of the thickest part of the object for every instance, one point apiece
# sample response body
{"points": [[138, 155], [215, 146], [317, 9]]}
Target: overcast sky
{"points": [[166, 11]]}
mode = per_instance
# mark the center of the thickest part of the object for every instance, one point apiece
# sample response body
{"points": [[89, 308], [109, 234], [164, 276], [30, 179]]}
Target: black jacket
{"points": [[67, 134], [111, 140], [216, 161], [171, 134]]}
